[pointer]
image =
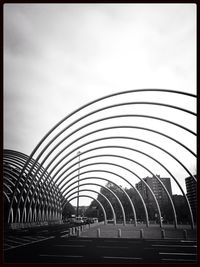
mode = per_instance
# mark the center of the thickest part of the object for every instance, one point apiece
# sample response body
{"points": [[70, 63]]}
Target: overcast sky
{"points": [[58, 57]]}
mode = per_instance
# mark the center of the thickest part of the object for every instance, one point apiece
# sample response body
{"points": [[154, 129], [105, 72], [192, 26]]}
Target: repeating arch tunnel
{"points": [[111, 140]]}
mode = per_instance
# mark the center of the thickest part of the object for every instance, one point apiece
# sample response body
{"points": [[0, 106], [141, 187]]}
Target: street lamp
{"points": [[78, 182]]}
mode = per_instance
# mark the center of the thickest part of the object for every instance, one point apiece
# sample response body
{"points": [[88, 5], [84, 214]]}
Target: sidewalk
{"points": [[130, 231]]}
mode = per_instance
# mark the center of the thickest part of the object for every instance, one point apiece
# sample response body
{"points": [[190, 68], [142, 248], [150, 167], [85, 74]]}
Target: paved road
{"points": [[64, 249]]}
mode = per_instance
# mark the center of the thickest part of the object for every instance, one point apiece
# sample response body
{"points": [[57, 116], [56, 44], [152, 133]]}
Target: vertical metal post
{"points": [[77, 209]]}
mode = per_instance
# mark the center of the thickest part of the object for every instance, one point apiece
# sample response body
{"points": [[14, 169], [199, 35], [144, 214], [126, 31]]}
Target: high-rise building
{"points": [[192, 193], [156, 187], [159, 193]]}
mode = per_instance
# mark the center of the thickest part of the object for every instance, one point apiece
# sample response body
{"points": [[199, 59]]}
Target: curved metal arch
{"points": [[102, 109], [101, 178], [118, 165], [16, 159], [98, 100], [121, 104], [116, 174], [112, 137], [20, 209], [94, 191], [122, 157], [51, 204], [135, 150], [111, 106], [7, 197], [118, 200], [125, 137], [104, 212], [20, 158]]}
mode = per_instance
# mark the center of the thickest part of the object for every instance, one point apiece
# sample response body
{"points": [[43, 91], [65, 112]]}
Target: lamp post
{"points": [[78, 183]]}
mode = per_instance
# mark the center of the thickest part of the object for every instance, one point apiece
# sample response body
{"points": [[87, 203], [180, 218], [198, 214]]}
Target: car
{"points": [[78, 220]]}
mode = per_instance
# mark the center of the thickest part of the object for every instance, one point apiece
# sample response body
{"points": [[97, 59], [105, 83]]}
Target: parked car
{"points": [[78, 220]]}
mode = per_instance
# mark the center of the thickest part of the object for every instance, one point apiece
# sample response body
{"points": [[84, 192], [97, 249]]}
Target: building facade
{"points": [[156, 187], [159, 193], [192, 193]]}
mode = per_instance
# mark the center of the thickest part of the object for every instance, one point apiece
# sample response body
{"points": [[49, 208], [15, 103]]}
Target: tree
{"points": [[67, 211]]}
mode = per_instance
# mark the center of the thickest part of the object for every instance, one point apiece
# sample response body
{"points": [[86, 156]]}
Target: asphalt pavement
{"points": [[64, 249]]}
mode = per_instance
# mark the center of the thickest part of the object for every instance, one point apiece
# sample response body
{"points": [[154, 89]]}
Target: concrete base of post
{"points": [[119, 233], [78, 233], [185, 234], [74, 230], [141, 233], [98, 232], [163, 234], [70, 232]]}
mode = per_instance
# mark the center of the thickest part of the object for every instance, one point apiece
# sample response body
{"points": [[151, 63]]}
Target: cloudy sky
{"points": [[58, 57]]}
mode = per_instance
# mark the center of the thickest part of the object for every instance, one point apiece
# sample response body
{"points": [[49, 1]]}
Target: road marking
{"points": [[128, 258], [179, 253], [110, 247], [186, 260], [63, 236], [63, 256], [72, 246], [13, 241], [16, 238], [174, 246], [188, 241], [82, 240], [29, 243]]}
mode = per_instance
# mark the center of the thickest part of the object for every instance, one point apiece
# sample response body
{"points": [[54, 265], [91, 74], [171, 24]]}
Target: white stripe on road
{"points": [[110, 247], [174, 246], [72, 246], [32, 242], [62, 256], [124, 258], [82, 240], [13, 241], [185, 260], [179, 253]]}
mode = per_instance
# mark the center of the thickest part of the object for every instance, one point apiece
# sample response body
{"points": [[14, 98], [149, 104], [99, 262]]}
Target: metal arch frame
{"points": [[172, 176], [126, 103], [116, 174], [122, 157], [118, 127], [139, 90], [115, 137], [119, 201], [95, 101], [50, 205], [108, 163], [104, 212], [126, 126], [21, 158], [101, 178], [139, 196], [125, 137], [18, 163], [17, 159], [94, 191]]}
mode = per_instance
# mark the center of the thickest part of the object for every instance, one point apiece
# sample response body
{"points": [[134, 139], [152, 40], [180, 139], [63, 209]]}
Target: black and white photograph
{"points": [[99, 133]]}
